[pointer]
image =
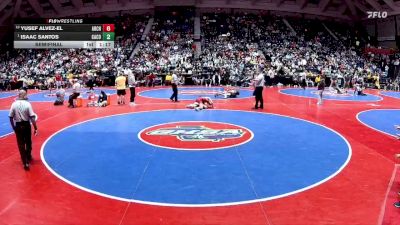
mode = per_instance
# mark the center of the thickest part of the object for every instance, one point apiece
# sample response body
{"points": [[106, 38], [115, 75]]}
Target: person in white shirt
{"points": [[76, 91], [216, 79], [132, 85], [21, 116], [259, 86], [174, 82], [303, 79], [271, 74]]}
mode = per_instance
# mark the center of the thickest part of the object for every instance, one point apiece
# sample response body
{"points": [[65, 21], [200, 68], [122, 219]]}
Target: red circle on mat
{"points": [[195, 135]]}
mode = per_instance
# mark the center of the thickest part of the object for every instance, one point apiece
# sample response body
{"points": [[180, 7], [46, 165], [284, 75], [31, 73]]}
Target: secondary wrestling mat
{"points": [[393, 94], [328, 95], [47, 96], [382, 120], [5, 127], [7, 94], [191, 93]]}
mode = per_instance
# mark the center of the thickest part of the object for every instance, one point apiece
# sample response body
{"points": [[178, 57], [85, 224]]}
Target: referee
{"points": [[21, 115], [132, 85], [174, 82], [258, 91]]}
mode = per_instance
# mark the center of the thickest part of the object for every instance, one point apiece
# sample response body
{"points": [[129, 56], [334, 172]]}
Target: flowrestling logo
{"points": [[377, 14], [195, 135]]}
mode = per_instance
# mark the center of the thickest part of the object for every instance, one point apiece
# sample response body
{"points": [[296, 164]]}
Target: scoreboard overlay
{"points": [[64, 33]]}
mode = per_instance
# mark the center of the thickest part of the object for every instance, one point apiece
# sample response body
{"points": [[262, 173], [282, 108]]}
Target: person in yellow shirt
{"points": [[120, 84], [168, 79], [70, 77], [318, 79], [377, 82]]}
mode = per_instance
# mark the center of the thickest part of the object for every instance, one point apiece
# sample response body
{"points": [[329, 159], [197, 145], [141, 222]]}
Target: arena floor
{"points": [[293, 162]]}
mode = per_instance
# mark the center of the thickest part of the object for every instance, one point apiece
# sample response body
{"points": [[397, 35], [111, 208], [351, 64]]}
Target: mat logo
{"points": [[198, 133], [195, 135]]}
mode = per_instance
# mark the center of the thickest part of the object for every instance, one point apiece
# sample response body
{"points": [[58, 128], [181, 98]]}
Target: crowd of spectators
{"points": [[229, 51], [233, 44], [232, 47], [309, 49], [168, 46]]}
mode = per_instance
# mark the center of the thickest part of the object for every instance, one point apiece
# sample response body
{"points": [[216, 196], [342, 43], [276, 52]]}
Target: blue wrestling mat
{"points": [[382, 120], [5, 127], [393, 94], [328, 95], [188, 158], [7, 94], [191, 93], [46, 96]]}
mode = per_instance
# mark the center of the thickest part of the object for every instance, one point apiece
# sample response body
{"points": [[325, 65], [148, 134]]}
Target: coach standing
{"points": [[258, 91], [76, 91], [174, 82], [132, 85], [21, 115]]}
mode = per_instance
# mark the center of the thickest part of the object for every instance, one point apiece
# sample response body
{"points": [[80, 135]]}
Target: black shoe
{"points": [[254, 108], [26, 167], [29, 159], [397, 204]]}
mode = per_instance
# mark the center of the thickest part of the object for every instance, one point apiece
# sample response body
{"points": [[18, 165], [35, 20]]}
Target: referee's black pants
{"points": [[174, 96], [24, 139], [132, 90], [259, 98]]}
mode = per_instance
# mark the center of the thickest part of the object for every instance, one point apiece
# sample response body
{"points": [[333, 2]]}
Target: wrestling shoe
{"points": [[26, 167]]}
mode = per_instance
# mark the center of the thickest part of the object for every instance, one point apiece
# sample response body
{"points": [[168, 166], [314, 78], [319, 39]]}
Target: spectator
{"points": [[76, 91], [60, 93]]}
